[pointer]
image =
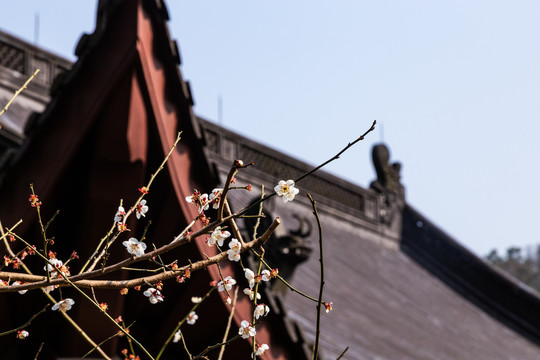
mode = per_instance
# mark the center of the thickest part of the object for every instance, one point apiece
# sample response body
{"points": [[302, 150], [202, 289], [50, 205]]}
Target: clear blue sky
{"points": [[454, 84]]}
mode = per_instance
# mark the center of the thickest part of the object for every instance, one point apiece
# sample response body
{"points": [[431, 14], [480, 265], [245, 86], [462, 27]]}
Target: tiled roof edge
{"points": [[224, 146], [498, 294]]}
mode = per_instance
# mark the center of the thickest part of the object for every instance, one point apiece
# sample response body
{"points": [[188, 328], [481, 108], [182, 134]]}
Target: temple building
{"points": [[90, 133]]}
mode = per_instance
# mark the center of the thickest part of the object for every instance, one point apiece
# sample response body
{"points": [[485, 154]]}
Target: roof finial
{"points": [[220, 110], [36, 29]]}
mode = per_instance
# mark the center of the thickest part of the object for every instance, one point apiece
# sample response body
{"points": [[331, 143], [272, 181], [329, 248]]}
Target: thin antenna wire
{"points": [[36, 29], [220, 110]]}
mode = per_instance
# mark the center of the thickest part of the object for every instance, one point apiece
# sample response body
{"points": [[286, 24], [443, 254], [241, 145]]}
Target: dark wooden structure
{"points": [[402, 288]]}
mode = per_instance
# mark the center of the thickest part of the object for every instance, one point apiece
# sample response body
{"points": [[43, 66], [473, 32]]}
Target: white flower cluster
{"points": [[252, 279]]}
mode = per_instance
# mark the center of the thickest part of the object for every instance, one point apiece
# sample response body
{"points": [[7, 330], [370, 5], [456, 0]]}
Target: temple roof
{"points": [[401, 287], [407, 292]]}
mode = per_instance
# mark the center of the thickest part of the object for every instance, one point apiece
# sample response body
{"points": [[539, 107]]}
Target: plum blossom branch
{"points": [[51, 299], [94, 303], [37, 204], [138, 205], [82, 279]]}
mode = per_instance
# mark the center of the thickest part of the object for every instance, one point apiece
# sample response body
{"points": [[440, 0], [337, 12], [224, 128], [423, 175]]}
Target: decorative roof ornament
{"points": [[287, 247], [388, 185]]}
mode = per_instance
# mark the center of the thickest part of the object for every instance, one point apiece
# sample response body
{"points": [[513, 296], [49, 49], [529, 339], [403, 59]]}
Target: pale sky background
{"points": [[454, 84]]}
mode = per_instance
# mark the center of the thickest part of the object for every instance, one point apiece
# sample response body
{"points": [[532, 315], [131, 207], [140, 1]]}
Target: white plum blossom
{"points": [[266, 275], [260, 349], [201, 200], [251, 293], [22, 292], [50, 288], [218, 236], [196, 299], [216, 193], [250, 276], [154, 296], [261, 310], [233, 256], [286, 189], [192, 318], [57, 264], [22, 334], [246, 330], [134, 247], [177, 336], [329, 306], [227, 283], [119, 216], [63, 305], [204, 203], [141, 209], [234, 251]]}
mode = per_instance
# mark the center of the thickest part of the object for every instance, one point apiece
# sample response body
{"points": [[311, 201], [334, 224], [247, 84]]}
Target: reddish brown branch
{"points": [[41, 281]]}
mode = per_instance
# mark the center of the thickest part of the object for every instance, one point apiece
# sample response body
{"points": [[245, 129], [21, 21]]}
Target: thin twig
{"points": [[39, 350], [26, 323], [315, 355], [221, 277], [280, 278], [343, 353], [259, 214], [103, 342], [229, 321], [234, 227], [177, 328], [212, 347], [185, 345], [237, 164], [43, 234], [18, 92], [335, 157]]}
